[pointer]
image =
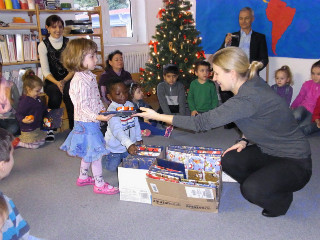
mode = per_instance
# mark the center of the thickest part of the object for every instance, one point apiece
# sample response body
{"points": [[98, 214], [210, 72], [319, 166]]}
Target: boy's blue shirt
{"points": [[122, 132]]}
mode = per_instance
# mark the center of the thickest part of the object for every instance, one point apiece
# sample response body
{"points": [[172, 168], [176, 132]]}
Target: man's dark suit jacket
{"points": [[258, 52], [258, 47]]}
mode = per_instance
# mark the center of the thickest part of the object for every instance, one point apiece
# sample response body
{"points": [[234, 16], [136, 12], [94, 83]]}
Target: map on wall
{"points": [[291, 26]]}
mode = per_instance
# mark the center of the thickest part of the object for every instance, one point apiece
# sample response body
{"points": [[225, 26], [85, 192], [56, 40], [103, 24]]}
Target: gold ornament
{"points": [[181, 27], [170, 46]]}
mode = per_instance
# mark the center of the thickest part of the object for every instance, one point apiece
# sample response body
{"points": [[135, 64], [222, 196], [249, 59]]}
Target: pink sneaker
{"points": [[105, 189], [168, 131], [85, 182], [145, 133]]}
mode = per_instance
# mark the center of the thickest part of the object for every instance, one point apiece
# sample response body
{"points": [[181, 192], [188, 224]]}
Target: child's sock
{"points": [[84, 168], [97, 173], [168, 131]]}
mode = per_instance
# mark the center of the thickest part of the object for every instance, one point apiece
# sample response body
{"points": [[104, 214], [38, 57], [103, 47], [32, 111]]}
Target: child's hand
{"points": [[133, 149], [318, 123], [139, 142], [105, 118], [28, 119], [194, 113]]}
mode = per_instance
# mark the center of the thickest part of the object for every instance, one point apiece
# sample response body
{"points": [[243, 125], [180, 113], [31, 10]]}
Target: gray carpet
{"points": [[42, 185]]}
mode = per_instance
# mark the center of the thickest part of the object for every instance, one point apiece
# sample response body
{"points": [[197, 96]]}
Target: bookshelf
{"points": [[97, 10], [36, 27]]}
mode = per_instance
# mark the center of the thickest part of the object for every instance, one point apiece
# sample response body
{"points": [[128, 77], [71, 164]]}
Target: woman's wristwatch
{"points": [[244, 139]]}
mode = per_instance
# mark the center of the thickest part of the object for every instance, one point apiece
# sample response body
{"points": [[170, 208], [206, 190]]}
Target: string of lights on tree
{"points": [[176, 41]]}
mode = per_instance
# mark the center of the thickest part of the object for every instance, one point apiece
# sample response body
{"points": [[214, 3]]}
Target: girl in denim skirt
{"points": [[86, 140]]}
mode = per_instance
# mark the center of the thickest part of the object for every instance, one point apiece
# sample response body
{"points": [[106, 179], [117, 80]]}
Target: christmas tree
{"points": [[176, 41]]}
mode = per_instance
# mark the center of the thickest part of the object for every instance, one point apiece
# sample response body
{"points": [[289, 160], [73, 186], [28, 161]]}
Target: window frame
{"points": [[107, 28]]}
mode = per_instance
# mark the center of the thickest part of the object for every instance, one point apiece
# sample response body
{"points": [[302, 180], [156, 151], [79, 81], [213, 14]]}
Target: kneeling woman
{"points": [[278, 162]]}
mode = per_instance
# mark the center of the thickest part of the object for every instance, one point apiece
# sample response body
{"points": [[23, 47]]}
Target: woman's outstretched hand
{"points": [[147, 113], [238, 146]]}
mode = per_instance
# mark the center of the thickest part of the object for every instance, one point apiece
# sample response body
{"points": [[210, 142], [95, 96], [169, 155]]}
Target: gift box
{"points": [[132, 173], [184, 194]]}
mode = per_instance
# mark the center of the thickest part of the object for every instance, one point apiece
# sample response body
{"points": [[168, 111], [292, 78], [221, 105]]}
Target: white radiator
{"points": [[135, 60]]}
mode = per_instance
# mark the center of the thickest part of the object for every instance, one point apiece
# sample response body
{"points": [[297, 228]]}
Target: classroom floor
{"points": [[42, 185]]}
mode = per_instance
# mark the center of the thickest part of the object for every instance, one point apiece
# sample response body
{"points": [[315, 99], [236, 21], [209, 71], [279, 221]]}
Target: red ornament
{"points": [[148, 94], [158, 65], [186, 60]]}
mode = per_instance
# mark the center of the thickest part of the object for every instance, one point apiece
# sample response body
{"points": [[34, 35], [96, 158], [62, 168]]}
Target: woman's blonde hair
{"points": [[287, 71], [233, 58], [73, 55], [30, 80]]}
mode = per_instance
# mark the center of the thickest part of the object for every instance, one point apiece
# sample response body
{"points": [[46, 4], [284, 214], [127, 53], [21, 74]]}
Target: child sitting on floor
{"points": [[147, 127], [12, 225], [304, 104], [123, 132], [283, 77], [30, 112], [171, 93], [202, 95], [9, 97]]}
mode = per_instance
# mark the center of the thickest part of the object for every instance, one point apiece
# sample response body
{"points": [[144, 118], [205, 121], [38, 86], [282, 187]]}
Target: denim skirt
{"points": [[85, 141]]}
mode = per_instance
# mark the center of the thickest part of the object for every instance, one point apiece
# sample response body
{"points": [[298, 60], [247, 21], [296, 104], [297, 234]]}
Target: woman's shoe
{"points": [[266, 213]]}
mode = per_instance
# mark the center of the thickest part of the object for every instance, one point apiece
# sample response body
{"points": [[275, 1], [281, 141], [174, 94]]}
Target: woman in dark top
{"points": [[114, 69], [57, 82], [278, 162]]}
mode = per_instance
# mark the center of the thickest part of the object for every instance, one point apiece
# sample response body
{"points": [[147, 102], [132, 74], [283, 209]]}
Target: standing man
{"points": [[254, 44]]}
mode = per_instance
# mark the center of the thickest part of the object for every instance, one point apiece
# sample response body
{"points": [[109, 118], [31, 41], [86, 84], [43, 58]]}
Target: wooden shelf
{"points": [[20, 63], [70, 11], [33, 28], [33, 11]]}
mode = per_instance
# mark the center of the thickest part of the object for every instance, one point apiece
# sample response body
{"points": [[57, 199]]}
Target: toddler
{"points": [[171, 93], [86, 140], [304, 104], [9, 97], [31, 111], [283, 77], [202, 95], [123, 133], [136, 95]]}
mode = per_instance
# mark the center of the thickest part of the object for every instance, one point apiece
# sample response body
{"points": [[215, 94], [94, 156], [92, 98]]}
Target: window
{"points": [[117, 16]]}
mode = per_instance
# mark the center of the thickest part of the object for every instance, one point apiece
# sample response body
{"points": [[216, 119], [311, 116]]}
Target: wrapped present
{"points": [[138, 162], [196, 158]]}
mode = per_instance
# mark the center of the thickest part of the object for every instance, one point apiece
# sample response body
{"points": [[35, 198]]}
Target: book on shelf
{"points": [[19, 48], [26, 47], [11, 48], [4, 49], [33, 49]]}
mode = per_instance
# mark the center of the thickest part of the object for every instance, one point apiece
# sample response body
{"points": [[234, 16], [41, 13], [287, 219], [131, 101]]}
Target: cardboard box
{"points": [[133, 186], [183, 196], [227, 178]]}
